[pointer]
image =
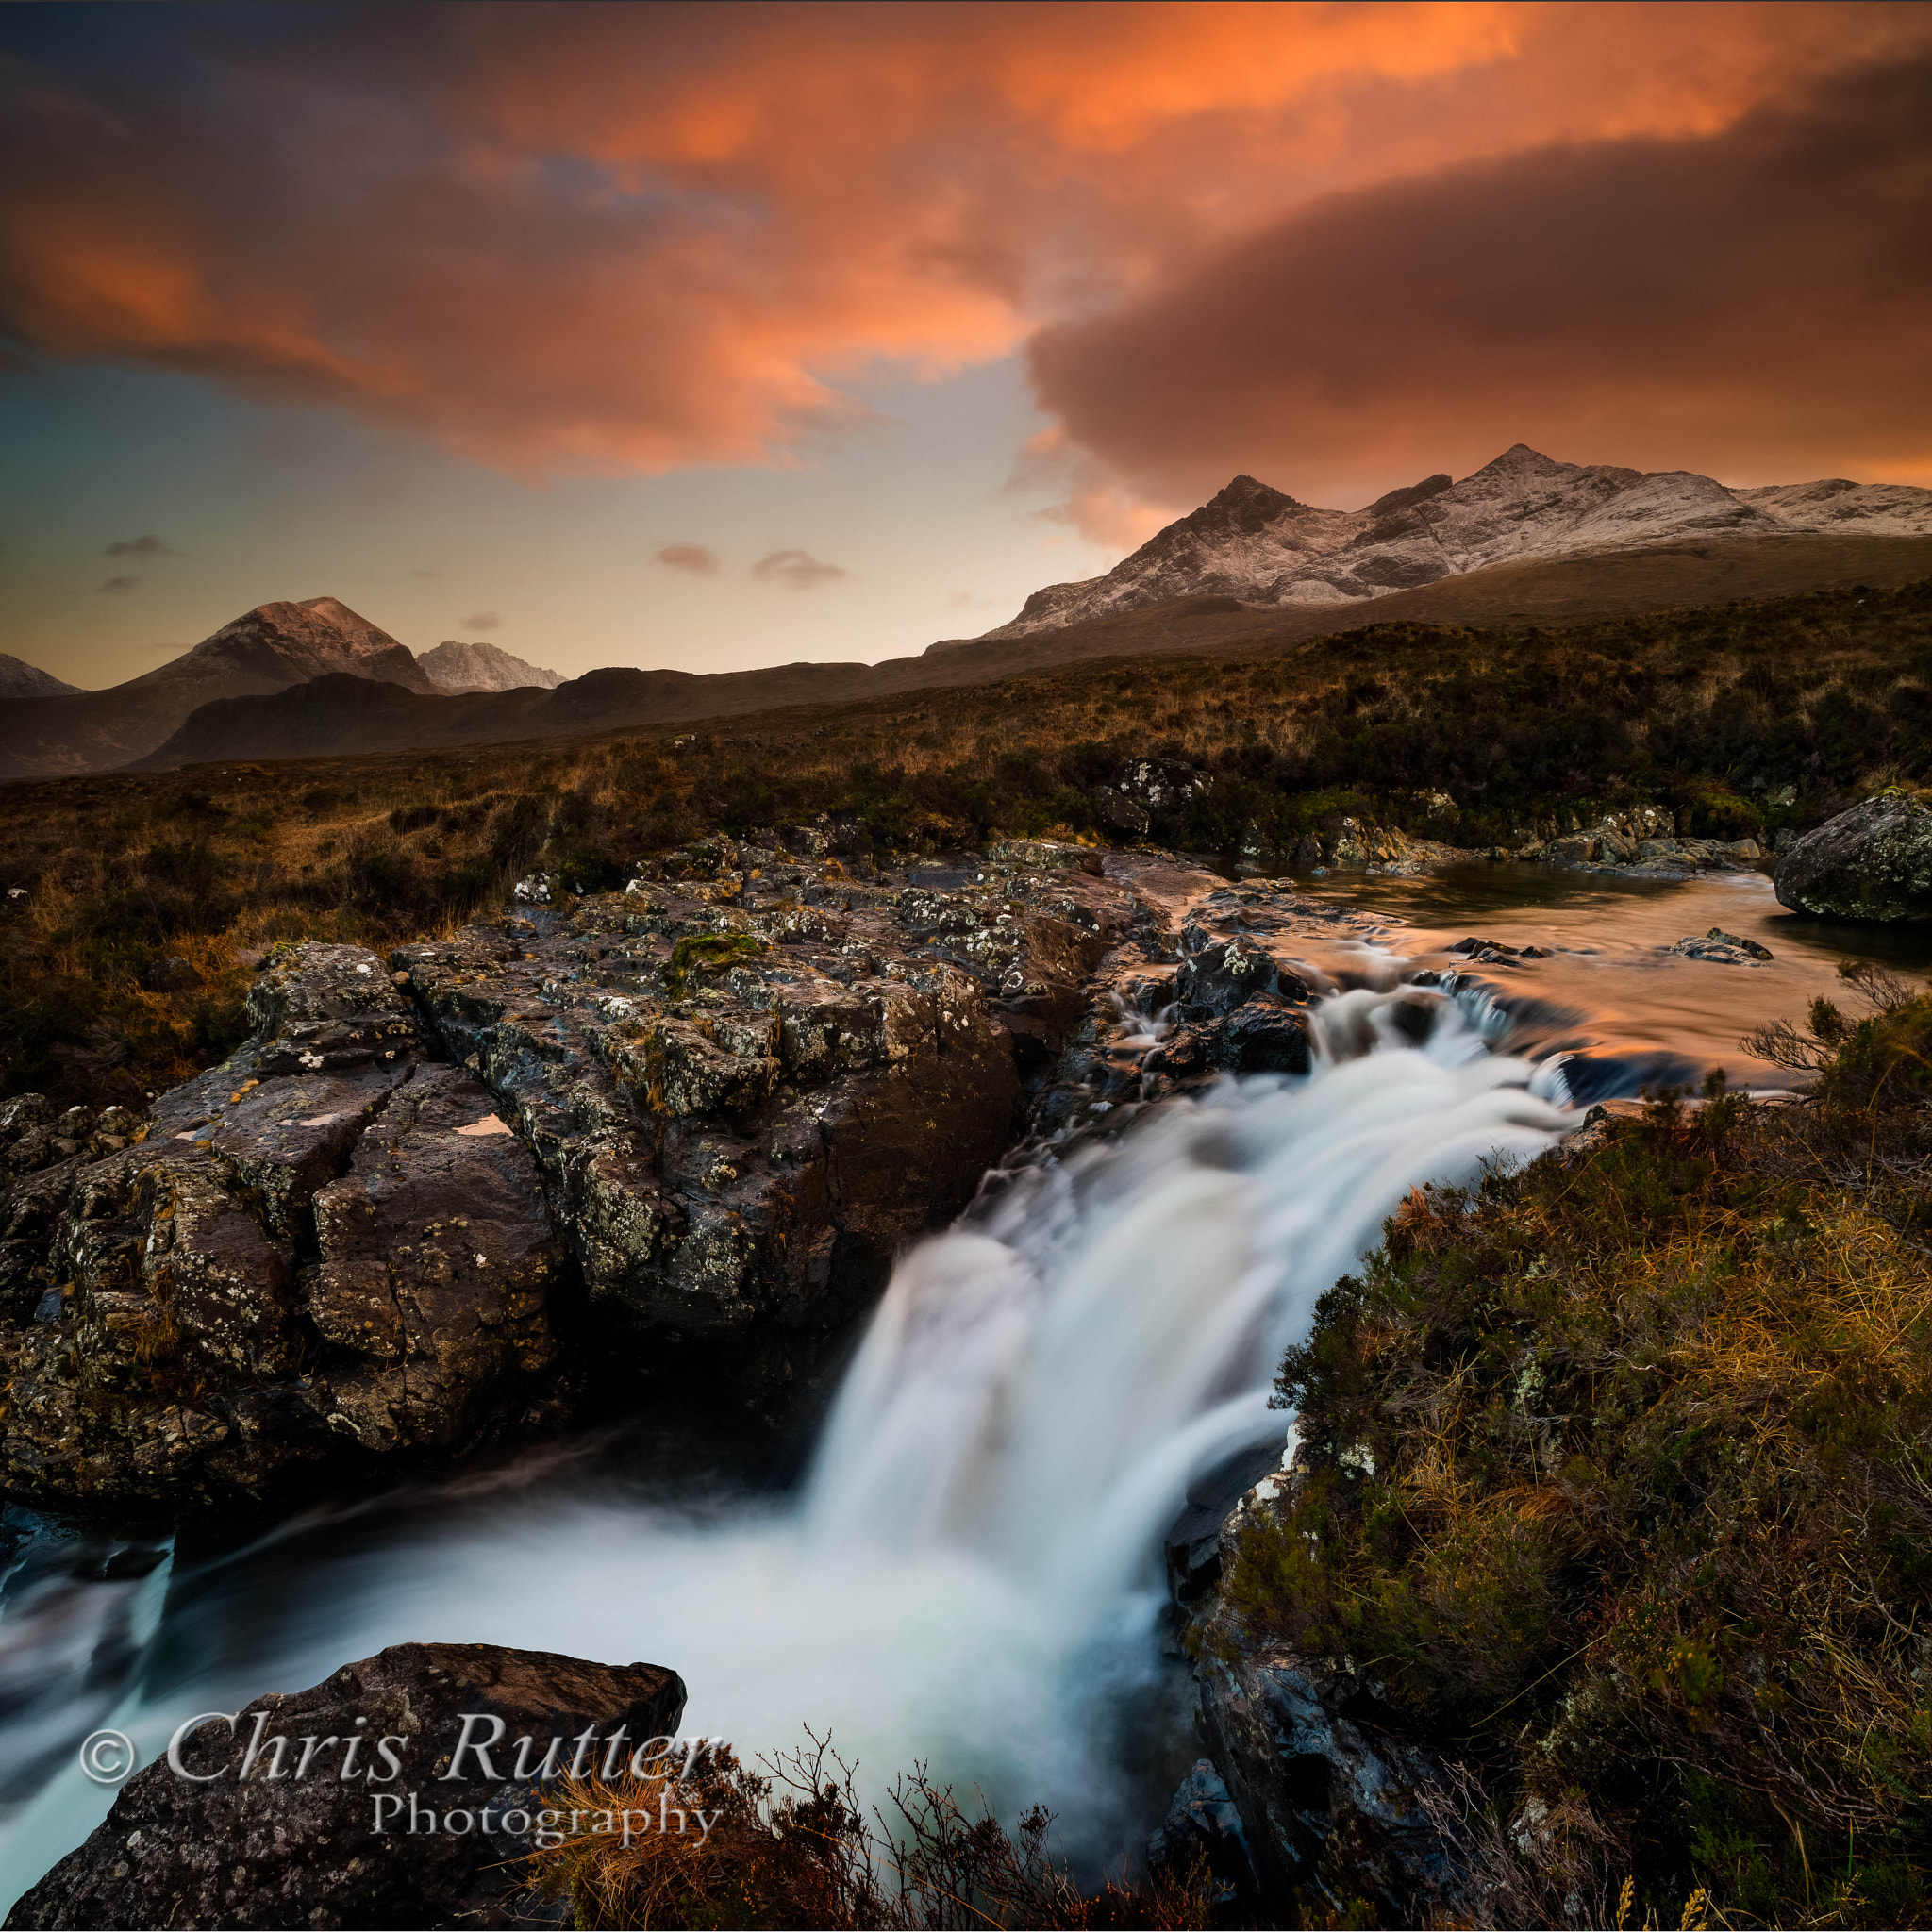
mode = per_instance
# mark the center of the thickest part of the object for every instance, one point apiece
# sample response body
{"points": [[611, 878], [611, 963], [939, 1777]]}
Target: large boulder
{"points": [[322, 1249], [1871, 862], [253, 1832]]}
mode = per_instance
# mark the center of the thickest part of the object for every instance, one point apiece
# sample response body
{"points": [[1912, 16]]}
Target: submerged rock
{"points": [[1723, 948], [253, 1835], [1873, 862]]}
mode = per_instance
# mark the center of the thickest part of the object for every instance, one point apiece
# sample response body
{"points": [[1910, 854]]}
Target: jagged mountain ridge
{"points": [[1262, 546], [455, 666]]}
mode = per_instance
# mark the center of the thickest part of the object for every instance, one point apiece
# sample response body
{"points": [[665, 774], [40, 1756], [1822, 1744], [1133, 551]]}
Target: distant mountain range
{"points": [[1525, 540], [1264, 548], [54, 728]]}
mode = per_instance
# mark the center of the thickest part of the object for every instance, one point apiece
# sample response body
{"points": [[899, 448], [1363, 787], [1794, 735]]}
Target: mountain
{"points": [[337, 716], [266, 649], [20, 680], [1256, 544], [457, 667]]}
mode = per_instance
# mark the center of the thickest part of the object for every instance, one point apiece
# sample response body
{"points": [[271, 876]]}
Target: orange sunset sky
{"points": [[721, 335]]}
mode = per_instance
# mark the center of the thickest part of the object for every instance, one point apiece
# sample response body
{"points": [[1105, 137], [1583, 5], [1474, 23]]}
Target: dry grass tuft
{"points": [[792, 1845]]}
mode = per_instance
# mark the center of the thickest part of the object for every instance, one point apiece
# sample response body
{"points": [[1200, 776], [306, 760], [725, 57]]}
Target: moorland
{"points": [[1743, 718]]}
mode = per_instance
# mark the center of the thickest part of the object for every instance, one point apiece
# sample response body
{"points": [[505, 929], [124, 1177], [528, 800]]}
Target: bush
{"points": [[793, 1845], [1617, 1466]]}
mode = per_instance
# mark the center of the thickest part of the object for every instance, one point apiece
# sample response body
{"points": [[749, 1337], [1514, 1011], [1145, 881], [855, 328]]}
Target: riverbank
{"points": [[1039, 1386]]}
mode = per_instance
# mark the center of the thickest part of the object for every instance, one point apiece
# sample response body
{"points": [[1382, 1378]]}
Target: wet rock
{"points": [[1722, 938], [1330, 1791], [1191, 1547], [251, 1843], [1268, 1035], [1873, 862], [1720, 949], [1224, 974], [1203, 1825]]}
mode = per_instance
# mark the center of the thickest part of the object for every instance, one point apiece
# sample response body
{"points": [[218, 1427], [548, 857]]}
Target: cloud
{"points": [[121, 583], [138, 546], [743, 211], [1754, 302], [797, 570], [970, 600], [484, 619], [693, 558]]}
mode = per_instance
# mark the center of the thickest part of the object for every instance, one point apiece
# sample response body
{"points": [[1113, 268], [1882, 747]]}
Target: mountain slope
{"points": [[23, 681], [458, 667], [1256, 544], [264, 650]]}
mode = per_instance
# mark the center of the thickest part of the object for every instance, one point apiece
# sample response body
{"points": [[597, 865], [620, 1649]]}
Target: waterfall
{"points": [[970, 1575]]}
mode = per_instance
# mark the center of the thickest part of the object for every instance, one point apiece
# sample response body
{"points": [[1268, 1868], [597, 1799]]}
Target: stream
{"points": [[968, 1574]]}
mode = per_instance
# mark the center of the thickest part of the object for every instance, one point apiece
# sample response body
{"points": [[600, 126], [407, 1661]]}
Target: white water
{"points": [[970, 1574]]}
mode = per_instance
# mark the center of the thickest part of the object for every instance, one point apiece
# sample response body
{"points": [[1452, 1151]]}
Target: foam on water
{"points": [[969, 1573]]}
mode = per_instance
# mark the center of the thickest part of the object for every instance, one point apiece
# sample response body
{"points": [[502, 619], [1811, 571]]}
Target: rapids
{"points": [[969, 1572]]}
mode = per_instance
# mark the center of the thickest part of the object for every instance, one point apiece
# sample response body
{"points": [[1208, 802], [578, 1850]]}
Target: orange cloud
{"points": [[597, 240], [1757, 303]]}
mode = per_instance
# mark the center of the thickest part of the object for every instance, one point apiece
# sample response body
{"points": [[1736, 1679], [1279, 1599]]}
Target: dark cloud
{"points": [[1759, 299], [484, 619], [120, 583], [797, 570], [693, 558], [138, 546]]}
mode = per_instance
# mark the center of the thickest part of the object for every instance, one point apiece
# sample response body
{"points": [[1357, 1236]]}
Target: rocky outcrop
{"points": [[318, 1250], [754, 1074], [1203, 1827], [372, 1813], [1873, 862], [1328, 1795], [712, 1106]]}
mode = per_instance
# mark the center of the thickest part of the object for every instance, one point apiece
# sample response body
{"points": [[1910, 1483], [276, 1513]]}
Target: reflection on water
{"points": [[1611, 987]]}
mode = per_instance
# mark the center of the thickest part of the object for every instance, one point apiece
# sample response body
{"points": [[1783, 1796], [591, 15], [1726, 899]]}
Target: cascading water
{"points": [[969, 1573]]}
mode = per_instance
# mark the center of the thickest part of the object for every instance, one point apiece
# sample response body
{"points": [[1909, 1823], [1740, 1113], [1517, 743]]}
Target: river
{"points": [[968, 1571]]}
